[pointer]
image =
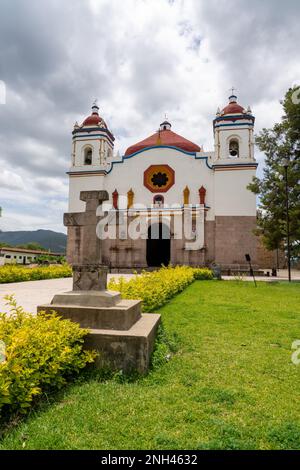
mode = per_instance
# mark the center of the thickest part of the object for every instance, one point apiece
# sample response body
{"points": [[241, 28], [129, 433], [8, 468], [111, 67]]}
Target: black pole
{"points": [[248, 259], [287, 222]]}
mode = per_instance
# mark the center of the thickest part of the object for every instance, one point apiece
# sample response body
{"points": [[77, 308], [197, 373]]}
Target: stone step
{"points": [[125, 350], [91, 298], [121, 316]]}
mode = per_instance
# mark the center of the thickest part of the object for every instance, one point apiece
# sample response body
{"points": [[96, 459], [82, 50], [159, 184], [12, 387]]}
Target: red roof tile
{"points": [[93, 120], [233, 108], [165, 137]]}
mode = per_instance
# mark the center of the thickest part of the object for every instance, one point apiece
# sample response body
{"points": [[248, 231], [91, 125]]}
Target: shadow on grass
{"points": [[165, 347]]}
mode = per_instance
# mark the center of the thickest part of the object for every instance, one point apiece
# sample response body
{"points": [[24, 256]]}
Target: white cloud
{"points": [[10, 180], [140, 58]]}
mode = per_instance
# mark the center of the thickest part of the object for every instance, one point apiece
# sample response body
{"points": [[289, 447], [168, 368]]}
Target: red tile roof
{"points": [[233, 108], [165, 137], [12, 249], [93, 120]]}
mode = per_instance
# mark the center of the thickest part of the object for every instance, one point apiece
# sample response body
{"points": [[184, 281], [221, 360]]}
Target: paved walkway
{"points": [[282, 275], [29, 294], [32, 293]]}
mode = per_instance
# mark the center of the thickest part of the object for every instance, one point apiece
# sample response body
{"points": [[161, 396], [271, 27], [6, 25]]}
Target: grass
{"points": [[230, 385]]}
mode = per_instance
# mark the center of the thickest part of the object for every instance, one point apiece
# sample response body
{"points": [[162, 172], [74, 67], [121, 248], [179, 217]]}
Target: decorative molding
{"points": [[235, 166], [186, 195], [164, 171], [130, 197], [191, 154]]}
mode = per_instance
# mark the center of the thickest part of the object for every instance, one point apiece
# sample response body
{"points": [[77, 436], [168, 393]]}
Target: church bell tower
{"points": [[233, 134]]}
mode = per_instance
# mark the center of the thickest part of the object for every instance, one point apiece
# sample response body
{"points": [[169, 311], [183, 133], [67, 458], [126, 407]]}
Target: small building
{"points": [[11, 255]]}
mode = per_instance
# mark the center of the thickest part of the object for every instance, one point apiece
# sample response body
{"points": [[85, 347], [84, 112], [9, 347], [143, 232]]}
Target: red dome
{"points": [[164, 137], [233, 108], [93, 120]]}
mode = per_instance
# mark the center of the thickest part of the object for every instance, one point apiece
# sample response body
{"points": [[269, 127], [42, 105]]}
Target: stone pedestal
{"points": [[88, 277], [123, 336]]}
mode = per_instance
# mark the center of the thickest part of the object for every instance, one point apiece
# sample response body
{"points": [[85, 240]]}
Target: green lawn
{"points": [[231, 384]]}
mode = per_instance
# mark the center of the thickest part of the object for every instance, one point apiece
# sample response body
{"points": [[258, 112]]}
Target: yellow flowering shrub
{"points": [[37, 352], [157, 287], [15, 273]]}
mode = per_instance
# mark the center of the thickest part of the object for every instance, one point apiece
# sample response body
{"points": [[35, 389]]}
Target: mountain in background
{"points": [[53, 241]]}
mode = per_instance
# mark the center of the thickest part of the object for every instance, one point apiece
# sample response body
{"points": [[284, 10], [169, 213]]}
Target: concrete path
{"points": [[282, 275], [29, 294], [32, 293]]}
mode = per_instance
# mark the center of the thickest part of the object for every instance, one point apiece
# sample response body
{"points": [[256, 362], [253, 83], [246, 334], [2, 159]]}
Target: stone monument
{"points": [[123, 336]]}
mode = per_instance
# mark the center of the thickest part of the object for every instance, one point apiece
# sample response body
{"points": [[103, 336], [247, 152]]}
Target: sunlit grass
{"points": [[230, 385]]}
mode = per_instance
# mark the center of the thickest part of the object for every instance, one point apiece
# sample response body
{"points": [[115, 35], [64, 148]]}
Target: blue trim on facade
{"points": [[228, 117], [235, 124], [89, 172], [91, 136], [76, 132], [192, 154], [228, 165]]}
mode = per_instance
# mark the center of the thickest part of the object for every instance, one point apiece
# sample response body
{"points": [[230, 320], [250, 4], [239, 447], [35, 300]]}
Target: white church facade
{"points": [[165, 179]]}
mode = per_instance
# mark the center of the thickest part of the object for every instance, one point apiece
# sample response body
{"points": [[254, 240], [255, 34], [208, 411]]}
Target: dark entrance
{"points": [[158, 245]]}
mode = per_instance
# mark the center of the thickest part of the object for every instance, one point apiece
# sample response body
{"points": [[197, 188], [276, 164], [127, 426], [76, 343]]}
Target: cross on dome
{"points": [[233, 96], [95, 107]]}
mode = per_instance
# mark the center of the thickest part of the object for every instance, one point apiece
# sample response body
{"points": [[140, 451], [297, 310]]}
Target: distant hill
{"points": [[53, 241]]}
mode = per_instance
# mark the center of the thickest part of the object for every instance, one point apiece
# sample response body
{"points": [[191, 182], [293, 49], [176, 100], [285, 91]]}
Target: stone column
{"points": [[88, 271]]}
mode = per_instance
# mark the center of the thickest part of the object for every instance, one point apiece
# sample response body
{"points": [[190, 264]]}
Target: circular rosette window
{"points": [[159, 178]]}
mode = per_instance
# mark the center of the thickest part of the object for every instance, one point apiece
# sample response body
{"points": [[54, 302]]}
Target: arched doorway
{"points": [[158, 245]]}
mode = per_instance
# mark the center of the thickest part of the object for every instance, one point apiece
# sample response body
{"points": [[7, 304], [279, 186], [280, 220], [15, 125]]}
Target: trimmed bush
{"points": [[15, 273], [157, 287], [38, 353]]}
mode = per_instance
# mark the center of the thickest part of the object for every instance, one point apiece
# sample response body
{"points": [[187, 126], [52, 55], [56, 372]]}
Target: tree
{"points": [[279, 143], [32, 246], [3, 245]]}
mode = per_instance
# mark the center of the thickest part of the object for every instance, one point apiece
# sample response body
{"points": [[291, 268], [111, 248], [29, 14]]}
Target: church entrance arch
{"points": [[158, 245]]}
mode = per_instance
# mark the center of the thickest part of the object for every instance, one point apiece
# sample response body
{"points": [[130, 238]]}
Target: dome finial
{"points": [[95, 107], [233, 96]]}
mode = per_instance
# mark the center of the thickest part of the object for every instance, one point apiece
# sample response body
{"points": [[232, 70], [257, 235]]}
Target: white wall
{"points": [[231, 194], [226, 192], [240, 130], [19, 257], [189, 172], [82, 183]]}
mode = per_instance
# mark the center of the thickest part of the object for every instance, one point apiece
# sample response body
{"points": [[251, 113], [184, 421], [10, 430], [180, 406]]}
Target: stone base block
{"points": [[121, 316], [89, 298], [89, 277], [125, 350]]}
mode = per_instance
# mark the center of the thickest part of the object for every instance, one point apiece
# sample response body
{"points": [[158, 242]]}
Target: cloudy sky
{"points": [[140, 59]]}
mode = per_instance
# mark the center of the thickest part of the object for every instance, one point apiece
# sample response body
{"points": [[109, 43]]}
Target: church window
{"points": [[233, 148], [158, 200], [159, 179], [88, 156]]}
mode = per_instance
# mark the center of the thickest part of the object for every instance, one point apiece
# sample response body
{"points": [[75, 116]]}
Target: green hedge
{"points": [[15, 273], [157, 287], [36, 353]]}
